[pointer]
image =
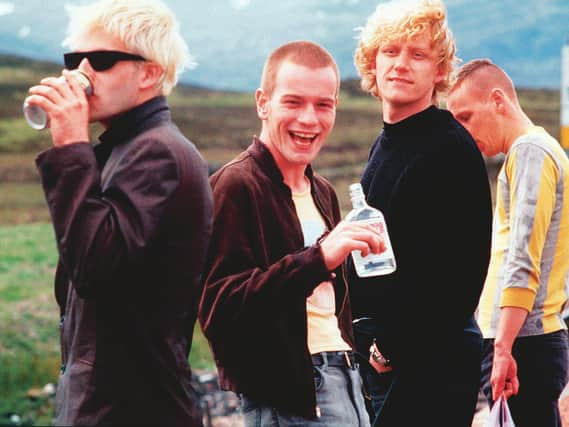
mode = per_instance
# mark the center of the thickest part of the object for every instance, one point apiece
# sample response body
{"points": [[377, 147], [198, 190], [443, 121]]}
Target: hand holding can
{"points": [[37, 118]]}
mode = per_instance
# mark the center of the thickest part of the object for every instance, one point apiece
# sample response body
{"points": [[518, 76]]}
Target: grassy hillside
{"points": [[221, 124], [29, 334]]}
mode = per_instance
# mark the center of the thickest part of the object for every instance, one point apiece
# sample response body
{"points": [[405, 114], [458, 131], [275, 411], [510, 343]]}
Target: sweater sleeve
{"points": [[532, 176]]}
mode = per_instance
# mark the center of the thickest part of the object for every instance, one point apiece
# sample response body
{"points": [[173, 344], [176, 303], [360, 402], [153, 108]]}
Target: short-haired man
{"points": [[275, 305], [132, 219], [429, 179], [526, 346]]}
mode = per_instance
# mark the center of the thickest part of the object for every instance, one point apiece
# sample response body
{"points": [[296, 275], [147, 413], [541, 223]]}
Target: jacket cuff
{"points": [[64, 154], [54, 161], [315, 271]]}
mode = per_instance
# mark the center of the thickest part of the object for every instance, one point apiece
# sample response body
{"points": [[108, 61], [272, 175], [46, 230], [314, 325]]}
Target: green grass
{"points": [[22, 202], [29, 348], [17, 137]]}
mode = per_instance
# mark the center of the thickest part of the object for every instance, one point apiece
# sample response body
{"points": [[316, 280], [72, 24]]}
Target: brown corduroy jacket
{"points": [[258, 276]]}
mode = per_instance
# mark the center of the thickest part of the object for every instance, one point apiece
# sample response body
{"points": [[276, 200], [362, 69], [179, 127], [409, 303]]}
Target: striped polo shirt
{"points": [[529, 267]]}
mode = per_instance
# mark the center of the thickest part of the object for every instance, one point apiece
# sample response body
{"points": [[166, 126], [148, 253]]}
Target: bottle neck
{"points": [[358, 202]]}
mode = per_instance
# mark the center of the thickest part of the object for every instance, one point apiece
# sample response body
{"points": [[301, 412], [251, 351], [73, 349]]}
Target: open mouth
{"points": [[303, 138]]}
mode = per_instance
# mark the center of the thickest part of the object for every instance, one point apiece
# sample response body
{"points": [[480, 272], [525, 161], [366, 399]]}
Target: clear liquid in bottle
{"points": [[372, 264]]}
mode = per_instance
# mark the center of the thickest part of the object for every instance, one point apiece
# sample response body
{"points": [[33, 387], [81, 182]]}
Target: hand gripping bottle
{"points": [[372, 264]]}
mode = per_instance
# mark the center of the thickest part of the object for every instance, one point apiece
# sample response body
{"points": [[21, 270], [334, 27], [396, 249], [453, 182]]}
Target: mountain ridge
{"points": [[231, 38]]}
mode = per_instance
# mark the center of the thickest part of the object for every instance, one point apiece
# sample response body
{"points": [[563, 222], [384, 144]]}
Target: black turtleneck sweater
{"points": [[427, 176]]}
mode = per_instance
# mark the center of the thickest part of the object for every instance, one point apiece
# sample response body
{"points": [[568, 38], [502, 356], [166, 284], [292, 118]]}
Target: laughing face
{"points": [[299, 114]]}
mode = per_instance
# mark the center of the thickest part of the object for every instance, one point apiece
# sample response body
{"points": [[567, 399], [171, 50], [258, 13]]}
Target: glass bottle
{"points": [[35, 115], [372, 264]]}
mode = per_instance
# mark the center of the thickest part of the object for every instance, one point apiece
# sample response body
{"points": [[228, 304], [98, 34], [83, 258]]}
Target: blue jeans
{"points": [[542, 371], [339, 402], [375, 385]]}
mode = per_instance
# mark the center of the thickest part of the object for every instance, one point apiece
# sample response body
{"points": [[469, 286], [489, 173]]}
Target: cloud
{"points": [[240, 4], [321, 15], [24, 32], [6, 8]]}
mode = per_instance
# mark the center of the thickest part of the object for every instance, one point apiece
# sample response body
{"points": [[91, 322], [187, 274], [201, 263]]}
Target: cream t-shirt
{"points": [[323, 331]]}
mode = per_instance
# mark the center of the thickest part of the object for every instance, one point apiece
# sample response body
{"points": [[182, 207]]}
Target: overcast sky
{"points": [[231, 38]]}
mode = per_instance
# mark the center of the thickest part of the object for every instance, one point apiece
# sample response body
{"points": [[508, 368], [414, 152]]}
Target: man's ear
{"points": [[441, 74], [498, 99], [262, 101], [151, 75]]}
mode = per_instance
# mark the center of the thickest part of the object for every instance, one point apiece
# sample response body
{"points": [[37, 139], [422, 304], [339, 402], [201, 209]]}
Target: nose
{"points": [[401, 61], [308, 115], [85, 66]]}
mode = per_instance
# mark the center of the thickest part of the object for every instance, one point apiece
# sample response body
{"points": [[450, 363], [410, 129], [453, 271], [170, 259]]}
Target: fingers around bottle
{"points": [[364, 249], [382, 246], [372, 238]]}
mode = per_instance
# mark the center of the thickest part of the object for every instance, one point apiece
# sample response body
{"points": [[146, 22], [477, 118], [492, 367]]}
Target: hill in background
{"points": [[230, 39], [221, 124]]}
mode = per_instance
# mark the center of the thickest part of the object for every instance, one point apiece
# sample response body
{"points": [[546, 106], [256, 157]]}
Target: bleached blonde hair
{"points": [[146, 27], [404, 20]]}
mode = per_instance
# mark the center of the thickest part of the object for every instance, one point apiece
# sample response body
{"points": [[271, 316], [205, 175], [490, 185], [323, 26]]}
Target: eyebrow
{"points": [[319, 98]]}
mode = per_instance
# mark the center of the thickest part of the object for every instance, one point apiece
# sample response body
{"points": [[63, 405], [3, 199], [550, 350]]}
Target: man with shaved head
{"points": [[275, 307], [526, 347]]}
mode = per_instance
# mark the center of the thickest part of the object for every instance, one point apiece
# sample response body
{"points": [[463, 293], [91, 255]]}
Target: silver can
{"points": [[38, 119]]}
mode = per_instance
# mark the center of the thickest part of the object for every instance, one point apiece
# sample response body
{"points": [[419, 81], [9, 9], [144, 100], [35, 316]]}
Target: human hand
{"points": [[63, 99], [347, 237], [504, 377], [377, 361]]}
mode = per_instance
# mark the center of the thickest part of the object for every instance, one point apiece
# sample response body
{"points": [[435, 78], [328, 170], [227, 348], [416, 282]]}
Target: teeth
{"points": [[304, 135]]}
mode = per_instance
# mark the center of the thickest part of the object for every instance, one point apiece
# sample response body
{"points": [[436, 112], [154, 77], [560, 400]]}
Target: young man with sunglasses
{"points": [[132, 219]]}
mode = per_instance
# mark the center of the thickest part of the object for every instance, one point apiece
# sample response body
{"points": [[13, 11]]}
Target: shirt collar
{"points": [[135, 121], [414, 124], [263, 156]]}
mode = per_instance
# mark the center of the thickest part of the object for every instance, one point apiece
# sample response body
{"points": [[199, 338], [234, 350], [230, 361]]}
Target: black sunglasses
{"points": [[100, 60]]}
